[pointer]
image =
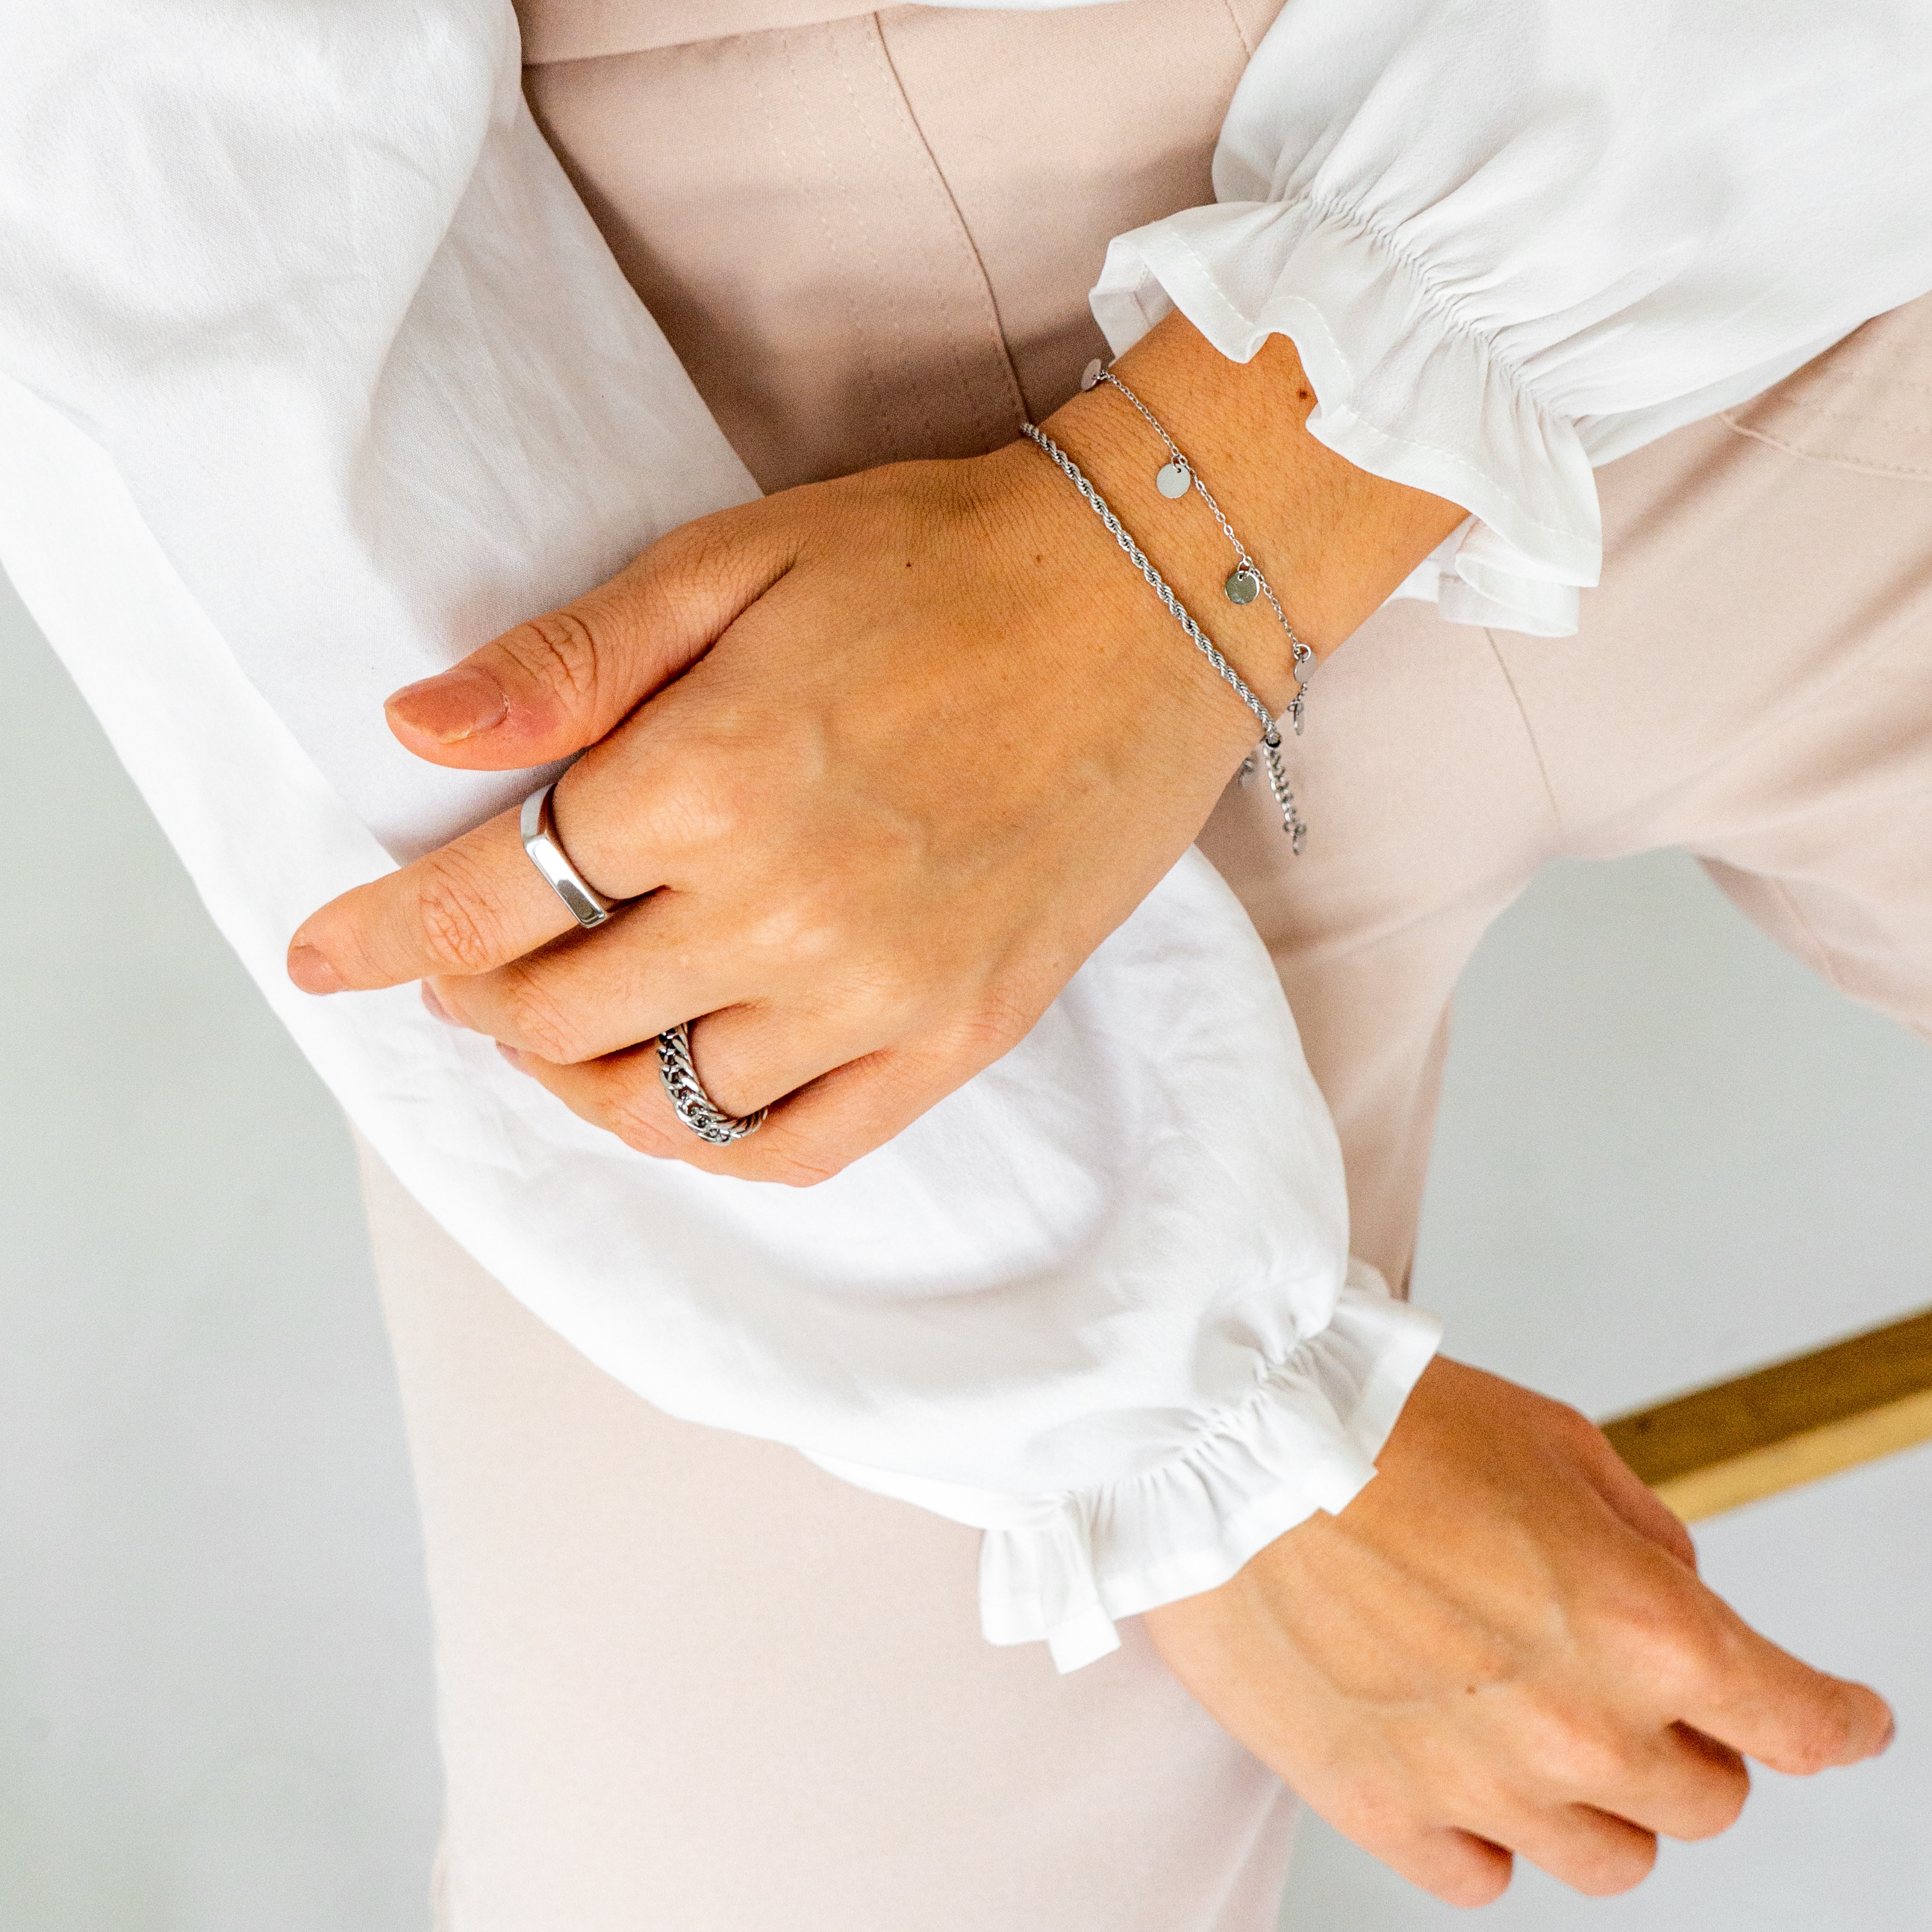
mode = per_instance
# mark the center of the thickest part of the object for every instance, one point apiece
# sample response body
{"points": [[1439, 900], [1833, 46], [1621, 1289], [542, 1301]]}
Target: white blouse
{"points": [[1514, 238], [316, 372]]}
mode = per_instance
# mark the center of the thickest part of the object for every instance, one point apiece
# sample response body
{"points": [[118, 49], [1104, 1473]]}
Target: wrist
{"points": [[1332, 541], [1126, 638], [1121, 454]]}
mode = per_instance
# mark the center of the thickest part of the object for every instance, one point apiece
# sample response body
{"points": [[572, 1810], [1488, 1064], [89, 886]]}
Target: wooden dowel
{"points": [[1791, 1423]]}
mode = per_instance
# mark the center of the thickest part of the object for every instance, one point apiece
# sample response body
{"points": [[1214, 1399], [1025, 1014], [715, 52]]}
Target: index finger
{"points": [[471, 905], [1762, 1701]]}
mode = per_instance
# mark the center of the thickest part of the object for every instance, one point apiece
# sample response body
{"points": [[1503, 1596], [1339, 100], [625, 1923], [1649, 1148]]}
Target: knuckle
{"points": [[684, 572], [1827, 1737], [536, 1020], [458, 929], [991, 1026], [628, 1113], [1376, 1810], [559, 653], [708, 792], [1578, 1752], [790, 1166], [805, 928], [700, 555], [1652, 1623], [796, 1171], [1575, 1429], [997, 1023]]}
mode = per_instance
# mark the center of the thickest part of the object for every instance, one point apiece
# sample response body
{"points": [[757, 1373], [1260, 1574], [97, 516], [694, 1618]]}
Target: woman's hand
{"points": [[877, 763], [1501, 1646]]}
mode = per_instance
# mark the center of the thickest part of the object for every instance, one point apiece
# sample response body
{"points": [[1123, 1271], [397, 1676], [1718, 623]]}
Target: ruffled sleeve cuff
{"points": [[1407, 386], [1303, 1438], [1060, 1570]]}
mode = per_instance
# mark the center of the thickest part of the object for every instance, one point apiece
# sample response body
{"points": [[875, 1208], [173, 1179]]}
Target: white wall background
{"points": [[1667, 1155], [214, 1703]]}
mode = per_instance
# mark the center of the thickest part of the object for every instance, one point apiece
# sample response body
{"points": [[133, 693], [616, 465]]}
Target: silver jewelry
{"points": [[1245, 582], [582, 900], [695, 1108], [1291, 821]]}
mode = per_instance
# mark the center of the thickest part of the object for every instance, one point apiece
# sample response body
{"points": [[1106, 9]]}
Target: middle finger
{"points": [[624, 1093], [657, 961], [1687, 1786]]}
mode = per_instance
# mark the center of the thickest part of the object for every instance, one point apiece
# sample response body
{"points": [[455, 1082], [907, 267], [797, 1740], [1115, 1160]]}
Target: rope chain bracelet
{"points": [[1271, 741], [1246, 582]]}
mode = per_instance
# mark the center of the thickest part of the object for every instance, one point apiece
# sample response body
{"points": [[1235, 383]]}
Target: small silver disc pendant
{"points": [[1243, 587], [1173, 479], [1090, 374]]}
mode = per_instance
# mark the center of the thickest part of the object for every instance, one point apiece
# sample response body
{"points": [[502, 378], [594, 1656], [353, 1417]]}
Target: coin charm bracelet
{"points": [[1175, 478], [1245, 583]]}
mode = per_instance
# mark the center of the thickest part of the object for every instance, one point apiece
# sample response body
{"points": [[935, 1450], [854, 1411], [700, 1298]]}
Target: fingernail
{"points": [[437, 1010], [311, 972], [458, 705]]}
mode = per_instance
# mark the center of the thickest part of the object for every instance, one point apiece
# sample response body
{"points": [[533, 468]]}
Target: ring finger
{"points": [[819, 1122], [1691, 1787], [745, 1057]]}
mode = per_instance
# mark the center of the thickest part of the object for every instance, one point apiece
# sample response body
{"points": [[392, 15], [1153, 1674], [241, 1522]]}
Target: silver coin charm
{"points": [[1244, 586], [1090, 374], [1173, 479]]}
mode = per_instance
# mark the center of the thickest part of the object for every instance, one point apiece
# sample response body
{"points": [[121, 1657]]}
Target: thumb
{"points": [[556, 683]]}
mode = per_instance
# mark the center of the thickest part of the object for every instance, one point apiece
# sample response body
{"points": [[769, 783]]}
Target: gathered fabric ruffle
{"points": [[1304, 1438], [1405, 389]]}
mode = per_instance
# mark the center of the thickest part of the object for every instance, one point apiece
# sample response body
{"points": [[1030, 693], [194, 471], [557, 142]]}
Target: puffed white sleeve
{"points": [[1512, 239], [314, 374]]}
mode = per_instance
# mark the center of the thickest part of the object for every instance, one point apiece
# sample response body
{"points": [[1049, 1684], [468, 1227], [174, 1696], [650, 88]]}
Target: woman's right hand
{"points": [[1501, 1646], [877, 763]]}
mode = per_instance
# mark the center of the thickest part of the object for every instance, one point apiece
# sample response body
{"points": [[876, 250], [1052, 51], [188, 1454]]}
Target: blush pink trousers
{"points": [[687, 1682]]}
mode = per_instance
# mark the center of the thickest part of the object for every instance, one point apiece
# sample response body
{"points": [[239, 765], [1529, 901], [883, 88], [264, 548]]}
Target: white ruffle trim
{"points": [[1060, 1569], [1304, 1438], [1405, 389]]}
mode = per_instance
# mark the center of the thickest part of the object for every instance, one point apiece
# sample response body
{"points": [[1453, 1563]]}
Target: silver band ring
{"points": [[695, 1108], [538, 825]]}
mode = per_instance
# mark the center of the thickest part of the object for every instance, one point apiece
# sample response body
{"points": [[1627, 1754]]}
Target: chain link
{"points": [[1291, 822], [695, 1108]]}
